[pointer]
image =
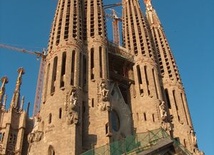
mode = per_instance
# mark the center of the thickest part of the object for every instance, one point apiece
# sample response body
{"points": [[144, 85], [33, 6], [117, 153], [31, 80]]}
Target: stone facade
{"points": [[96, 92]]}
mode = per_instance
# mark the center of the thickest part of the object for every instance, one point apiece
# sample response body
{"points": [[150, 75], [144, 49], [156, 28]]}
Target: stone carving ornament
{"points": [[71, 107], [35, 136], [163, 112], [104, 105]]}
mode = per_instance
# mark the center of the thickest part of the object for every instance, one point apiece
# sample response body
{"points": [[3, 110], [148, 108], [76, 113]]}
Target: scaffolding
{"points": [[135, 144], [120, 51]]}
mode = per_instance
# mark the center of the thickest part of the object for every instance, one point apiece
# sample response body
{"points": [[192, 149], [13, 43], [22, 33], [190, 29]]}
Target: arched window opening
{"points": [[63, 68], [54, 75], [51, 150], [50, 118], [60, 113]]}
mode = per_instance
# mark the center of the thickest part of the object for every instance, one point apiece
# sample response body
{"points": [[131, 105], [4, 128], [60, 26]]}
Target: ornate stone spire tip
{"points": [[147, 2], [21, 70], [4, 79]]}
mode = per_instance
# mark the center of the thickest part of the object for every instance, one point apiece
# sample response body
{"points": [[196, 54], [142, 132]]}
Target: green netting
{"points": [[133, 143]]}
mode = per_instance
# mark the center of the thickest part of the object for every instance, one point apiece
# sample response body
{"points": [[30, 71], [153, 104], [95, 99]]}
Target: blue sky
{"points": [[189, 27]]}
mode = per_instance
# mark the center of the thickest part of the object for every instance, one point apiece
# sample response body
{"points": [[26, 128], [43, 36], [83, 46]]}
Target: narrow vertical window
{"points": [[139, 79], [153, 117], [107, 128], [50, 118], [51, 150], [147, 81], [92, 63], [176, 106], [100, 62], [46, 82], [146, 76], [80, 70], [156, 91], [167, 98], [72, 67], [60, 113], [84, 70], [54, 75], [92, 102], [63, 68], [185, 112], [139, 74], [144, 115], [137, 117]]}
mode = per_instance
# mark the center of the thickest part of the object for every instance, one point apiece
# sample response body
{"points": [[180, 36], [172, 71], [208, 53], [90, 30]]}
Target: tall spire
{"points": [[96, 27], [16, 95], [137, 38], [151, 14], [67, 24], [4, 80], [175, 96], [168, 67], [63, 81], [97, 74]]}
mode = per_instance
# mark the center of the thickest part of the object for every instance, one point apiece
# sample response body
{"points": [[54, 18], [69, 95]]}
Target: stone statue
{"points": [[166, 126], [71, 107], [104, 103], [193, 137], [162, 111], [104, 91], [35, 136]]}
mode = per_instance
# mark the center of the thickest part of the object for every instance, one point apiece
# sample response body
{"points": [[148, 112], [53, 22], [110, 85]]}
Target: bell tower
{"points": [[61, 107], [148, 107], [96, 121], [173, 89]]}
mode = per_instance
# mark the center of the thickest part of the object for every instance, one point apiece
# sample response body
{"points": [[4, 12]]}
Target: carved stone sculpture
{"points": [[193, 137], [71, 107], [104, 91], [163, 112], [35, 136]]}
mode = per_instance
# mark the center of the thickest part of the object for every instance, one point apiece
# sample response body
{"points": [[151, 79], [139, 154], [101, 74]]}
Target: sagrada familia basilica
{"points": [[100, 97]]}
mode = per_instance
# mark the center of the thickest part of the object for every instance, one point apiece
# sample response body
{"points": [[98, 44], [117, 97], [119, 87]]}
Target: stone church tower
{"points": [[98, 93]]}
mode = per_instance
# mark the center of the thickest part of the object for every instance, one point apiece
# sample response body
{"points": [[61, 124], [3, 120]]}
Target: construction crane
{"points": [[115, 26], [41, 55]]}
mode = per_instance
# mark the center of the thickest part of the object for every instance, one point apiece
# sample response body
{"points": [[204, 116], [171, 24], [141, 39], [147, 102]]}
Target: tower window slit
{"points": [[92, 102], [139, 74], [173, 92], [84, 70], [100, 56], [144, 115], [156, 91], [139, 79], [46, 82], [153, 117], [60, 113], [185, 112], [80, 69], [176, 106], [72, 67], [146, 76], [147, 81], [50, 118], [63, 68], [54, 75], [167, 98], [92, 63], [137, 116]]}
